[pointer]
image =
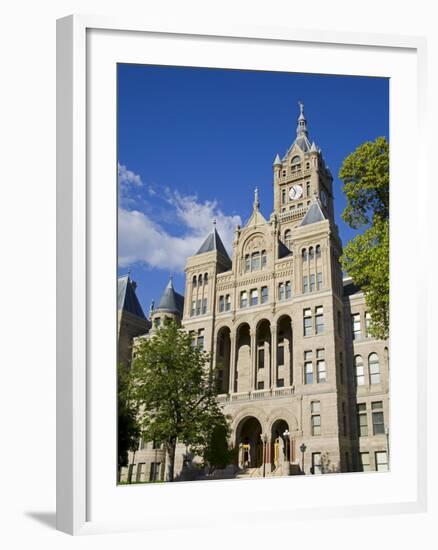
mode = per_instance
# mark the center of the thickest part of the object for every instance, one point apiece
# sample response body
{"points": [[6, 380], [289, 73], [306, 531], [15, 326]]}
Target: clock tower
{"points": [[300, 178]]}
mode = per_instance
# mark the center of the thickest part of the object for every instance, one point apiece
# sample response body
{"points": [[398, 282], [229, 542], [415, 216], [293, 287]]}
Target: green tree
{"points": [[128, 430], [365, 175], [175, 392]]}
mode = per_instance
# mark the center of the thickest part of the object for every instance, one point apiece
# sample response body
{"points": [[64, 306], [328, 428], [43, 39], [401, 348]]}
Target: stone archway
{"points": [[284, 364], [281, 452], [223, 357], [249, 443]]}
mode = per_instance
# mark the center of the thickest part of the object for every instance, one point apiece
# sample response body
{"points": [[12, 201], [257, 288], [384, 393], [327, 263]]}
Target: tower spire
{"points": [[302, 122], [256, 204]]}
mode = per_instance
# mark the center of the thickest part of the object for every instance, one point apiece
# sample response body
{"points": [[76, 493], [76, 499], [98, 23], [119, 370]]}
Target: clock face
{"points": [[295, 192], [324, 197]]}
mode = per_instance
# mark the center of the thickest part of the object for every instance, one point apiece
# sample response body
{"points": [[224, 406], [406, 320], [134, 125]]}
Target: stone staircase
{"points": [[249, 473]]}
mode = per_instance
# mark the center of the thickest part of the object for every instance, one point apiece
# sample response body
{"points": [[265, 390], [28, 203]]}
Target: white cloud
{"points": [[127, 177], [143, 240]]}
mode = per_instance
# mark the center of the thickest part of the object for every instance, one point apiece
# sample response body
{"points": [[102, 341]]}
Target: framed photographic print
{"points": [[234, 211]]}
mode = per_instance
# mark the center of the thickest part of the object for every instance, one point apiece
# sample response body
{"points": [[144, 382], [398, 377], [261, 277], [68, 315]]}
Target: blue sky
{"points": [[194, 143]]}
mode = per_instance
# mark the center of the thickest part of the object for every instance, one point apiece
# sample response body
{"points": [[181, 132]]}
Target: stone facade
{"points": [[305, 385]]}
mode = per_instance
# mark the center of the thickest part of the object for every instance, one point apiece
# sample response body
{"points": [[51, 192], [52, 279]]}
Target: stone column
{"points": [[253, 360], [232, 374], [274, 345]]}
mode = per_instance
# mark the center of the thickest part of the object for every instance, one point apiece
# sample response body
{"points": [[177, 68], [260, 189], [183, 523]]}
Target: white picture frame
{"points": [[81, 486]]}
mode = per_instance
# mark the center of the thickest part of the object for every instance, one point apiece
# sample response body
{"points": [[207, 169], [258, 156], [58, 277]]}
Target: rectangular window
{"points": [[319, 320], [254, 296], [307, 322], [155, 471], [264, 294], [243, 298], [378, 420], [255, 261], [280, 383], [308, 367], [308, 189], [283, 196], [204, 306], [193, 310], [260, 385], [381, 461], [264, 259], [247, 263], [365, 462], [316, 424], [312, 282], [198, 307], [221, 303], [355, 321], [201, 339], [261, 358], [288, 290], [227, 302], [280, 355], [362, 422], [305, 284], [367, 324], [281, 292], [319, 280], [316, 463], [320, 371], [374, 372]]}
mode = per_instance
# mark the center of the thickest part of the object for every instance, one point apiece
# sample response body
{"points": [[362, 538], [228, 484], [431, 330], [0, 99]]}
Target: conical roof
{"points": [[126, 297], [211, 243], [170, 300], [314, 214]]}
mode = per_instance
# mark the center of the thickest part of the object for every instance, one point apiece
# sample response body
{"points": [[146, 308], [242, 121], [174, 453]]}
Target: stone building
{"points": [[305, 384]]}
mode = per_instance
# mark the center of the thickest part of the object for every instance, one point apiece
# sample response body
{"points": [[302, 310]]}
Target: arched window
{"points": [[318, 251], [247, 263], [200, 280], [304, 254], [288, 238], [264, 259], [205, 278], [359, 371], [311, 253], [295, 159], [194, 281], [374, 368]]}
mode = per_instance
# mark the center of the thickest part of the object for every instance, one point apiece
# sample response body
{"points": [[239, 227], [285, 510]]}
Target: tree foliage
{"points": [[175, 392], [128, 430], [365, 175]]}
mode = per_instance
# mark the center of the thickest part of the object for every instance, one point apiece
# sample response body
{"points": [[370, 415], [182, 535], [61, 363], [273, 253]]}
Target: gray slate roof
{"points": [[211, 243], [126, 297], [171, 301], [313, 215]]}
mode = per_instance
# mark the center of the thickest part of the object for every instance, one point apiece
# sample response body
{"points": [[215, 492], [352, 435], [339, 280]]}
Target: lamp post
{"points": [[303, 450], [286, 439]]}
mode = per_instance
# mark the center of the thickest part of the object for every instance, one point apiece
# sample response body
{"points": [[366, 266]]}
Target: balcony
{"points": [[256, 395]]}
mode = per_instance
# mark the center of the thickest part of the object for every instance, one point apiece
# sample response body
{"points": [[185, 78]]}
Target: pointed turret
{"points": [[302, 122], [277, 161], [170, 301], [213, 242]]}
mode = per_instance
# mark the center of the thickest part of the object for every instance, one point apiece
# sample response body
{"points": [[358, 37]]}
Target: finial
{"points": [[129, 273], [214, 223], [256, 199], [302, 123], [152, 306]]}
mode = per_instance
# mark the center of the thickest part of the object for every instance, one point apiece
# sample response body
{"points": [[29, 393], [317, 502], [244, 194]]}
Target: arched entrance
{"points": [[281, 451], [249, 442], [223, 354]]}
